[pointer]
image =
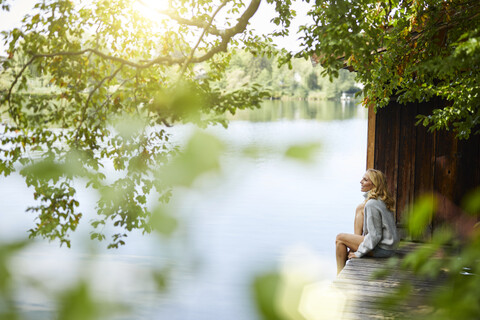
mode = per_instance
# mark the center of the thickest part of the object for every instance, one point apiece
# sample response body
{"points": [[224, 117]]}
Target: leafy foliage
{"points": [[78, 296], [408, 50], [111, 82], [453, 262]]}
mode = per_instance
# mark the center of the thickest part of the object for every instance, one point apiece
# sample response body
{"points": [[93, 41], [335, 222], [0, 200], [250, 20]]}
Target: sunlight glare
{"points": [[150, 8]]}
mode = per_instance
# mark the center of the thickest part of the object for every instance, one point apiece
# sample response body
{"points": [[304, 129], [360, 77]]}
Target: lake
{"points": [[265, 212]]}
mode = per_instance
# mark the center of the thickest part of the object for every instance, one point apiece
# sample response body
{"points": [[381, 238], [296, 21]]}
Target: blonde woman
{"points": [[375, 232]]}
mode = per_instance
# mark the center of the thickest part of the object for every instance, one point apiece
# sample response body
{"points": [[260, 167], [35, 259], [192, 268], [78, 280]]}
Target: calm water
{"points": [[264, 212]]}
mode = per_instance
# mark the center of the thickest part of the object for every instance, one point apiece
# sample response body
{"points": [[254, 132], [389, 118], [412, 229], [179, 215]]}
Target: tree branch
{"points": [[207, 26], [192, 53], [226, 35], [99, 84], [9, 94], [193, 23]]}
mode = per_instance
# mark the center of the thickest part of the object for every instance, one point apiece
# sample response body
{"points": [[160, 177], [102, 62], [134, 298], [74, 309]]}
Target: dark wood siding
{"points": [[387, 145], [417, 161], [406, 164]]}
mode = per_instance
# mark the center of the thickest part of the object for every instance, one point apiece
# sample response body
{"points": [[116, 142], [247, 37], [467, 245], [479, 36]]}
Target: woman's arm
{"points": [[374, 229]]}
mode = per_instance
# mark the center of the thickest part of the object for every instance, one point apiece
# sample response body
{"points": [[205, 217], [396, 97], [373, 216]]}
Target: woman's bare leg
{"points": [[358, 222], [344, 241]]}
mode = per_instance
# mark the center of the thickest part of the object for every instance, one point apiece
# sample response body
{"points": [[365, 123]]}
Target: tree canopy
{"points": [[89, 84], [109, 75], [408, 50]]}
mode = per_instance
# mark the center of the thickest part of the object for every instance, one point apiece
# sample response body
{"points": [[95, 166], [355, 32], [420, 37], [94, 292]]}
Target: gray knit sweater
{"points": [[378, 227]]}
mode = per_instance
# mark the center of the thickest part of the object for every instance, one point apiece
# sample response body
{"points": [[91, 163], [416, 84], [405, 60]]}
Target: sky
{"points": [[11, 19], [260, 22]]}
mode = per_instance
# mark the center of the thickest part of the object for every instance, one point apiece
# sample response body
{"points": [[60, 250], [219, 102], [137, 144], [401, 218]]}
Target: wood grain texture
{"points": [[371, 137], [364, 293], [417, 161]]}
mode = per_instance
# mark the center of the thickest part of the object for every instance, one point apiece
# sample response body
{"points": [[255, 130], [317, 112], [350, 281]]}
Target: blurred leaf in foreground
{"points": [[451, 257], [471, 202], [163, 222], [420, 215], [8, 308], [265, 287], [303, 152], [201, 155], [79, 303]]}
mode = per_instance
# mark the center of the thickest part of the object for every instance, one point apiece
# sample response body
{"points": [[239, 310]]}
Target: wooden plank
{"points": [[386, 144], [445, 174], [407, 157], [368, 274], [468, 167], [357, 316], [371, 136], [469, 170], [392, 176], [394, 279], [363, 293], [424, 156]]}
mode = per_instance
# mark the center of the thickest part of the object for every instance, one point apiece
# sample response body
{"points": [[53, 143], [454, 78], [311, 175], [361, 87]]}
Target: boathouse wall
{"points": [[417, 161]]}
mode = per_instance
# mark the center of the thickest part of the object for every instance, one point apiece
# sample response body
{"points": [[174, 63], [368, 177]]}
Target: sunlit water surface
{"points": [[262, 213]]}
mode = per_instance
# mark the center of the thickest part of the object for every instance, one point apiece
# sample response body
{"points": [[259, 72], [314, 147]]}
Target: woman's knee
{"points": [[340, 237]]}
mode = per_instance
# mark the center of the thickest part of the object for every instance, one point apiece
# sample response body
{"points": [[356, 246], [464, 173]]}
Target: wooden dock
{"points": [[362, 293]]}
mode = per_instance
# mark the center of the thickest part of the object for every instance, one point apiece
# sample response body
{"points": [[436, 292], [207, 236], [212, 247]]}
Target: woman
{"points": [[375, 218]]}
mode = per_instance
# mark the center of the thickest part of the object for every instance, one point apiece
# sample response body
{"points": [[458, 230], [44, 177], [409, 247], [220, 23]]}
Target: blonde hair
{"points": [[380, 190]]}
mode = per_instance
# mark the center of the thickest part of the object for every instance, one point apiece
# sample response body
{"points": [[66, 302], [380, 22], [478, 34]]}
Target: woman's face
{"points": [[366, 183]]}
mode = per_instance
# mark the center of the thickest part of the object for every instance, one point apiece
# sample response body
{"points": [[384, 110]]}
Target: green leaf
{"points": [[420, 215], [265, 288], [201, 156], [471, 202], [305, 152], [163, 222]]}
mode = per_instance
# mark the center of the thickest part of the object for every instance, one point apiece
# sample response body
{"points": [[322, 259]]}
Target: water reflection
{"points": [[265, 210], [275, 110]]}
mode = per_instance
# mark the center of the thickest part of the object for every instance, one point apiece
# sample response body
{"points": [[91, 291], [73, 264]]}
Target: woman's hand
{"points": [[351, 255]]}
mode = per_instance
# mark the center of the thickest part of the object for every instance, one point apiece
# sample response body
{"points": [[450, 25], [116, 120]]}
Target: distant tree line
{"points": [[303, 80]]}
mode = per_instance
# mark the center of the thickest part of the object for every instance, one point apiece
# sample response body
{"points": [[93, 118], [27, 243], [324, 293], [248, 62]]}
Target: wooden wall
{"points": [[417, 161]]}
